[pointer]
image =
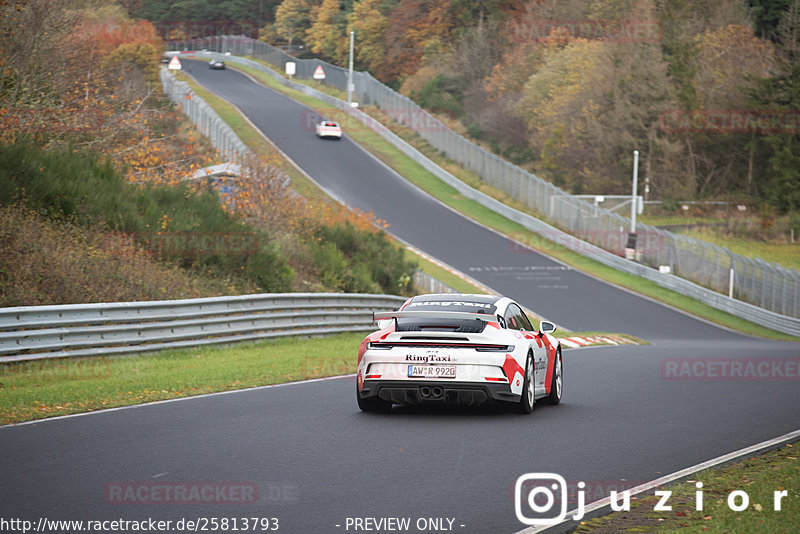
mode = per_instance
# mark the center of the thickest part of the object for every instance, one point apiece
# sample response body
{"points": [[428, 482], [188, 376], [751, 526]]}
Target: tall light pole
{"points": [[630, 246], [634, 197], [350, 74]]}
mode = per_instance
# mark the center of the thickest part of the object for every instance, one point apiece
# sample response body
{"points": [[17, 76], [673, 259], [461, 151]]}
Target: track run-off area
{"points": [[304, 454]]}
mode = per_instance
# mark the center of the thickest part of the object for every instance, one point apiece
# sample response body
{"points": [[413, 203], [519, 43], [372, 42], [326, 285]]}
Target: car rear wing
{"points": [[385, 315]]}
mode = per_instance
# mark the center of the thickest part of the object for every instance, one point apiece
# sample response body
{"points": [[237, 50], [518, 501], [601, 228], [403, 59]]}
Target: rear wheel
{"points": [[525, 405], [372, 404], [557, 383]]}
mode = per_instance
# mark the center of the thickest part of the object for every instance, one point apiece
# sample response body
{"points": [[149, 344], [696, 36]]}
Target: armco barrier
{"points": [[35, 332], [770, 319]]}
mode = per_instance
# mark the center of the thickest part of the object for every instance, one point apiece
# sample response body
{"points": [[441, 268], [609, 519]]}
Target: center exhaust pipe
{"points": [[434, 392]]}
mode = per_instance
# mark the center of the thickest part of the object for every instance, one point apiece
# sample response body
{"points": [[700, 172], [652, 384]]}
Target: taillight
{"points": [[494, 348]]}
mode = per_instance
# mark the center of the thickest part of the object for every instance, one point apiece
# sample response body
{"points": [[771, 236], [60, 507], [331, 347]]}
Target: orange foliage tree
{"points": [[328, 33], [416, 28]]}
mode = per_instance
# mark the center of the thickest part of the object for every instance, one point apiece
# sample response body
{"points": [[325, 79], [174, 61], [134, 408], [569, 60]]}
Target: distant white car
{"points": [[216, 64], [329, 129]]}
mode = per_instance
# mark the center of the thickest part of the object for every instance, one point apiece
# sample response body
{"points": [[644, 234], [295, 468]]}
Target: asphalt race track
{"points": [[316, 461]]}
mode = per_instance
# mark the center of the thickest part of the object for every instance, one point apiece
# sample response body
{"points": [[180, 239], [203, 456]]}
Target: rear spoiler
{"points": [[382, 316]]}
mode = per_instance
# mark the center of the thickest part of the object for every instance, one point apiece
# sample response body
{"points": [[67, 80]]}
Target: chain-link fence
{"points": [[425, 283], [755, 281]]}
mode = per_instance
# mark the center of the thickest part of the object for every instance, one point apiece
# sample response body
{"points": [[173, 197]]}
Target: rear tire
{"points": [[557, 382], [372, 404], [525, 405]]}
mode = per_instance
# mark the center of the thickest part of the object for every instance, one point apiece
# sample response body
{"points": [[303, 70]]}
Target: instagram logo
{"points": [[536, 495]]}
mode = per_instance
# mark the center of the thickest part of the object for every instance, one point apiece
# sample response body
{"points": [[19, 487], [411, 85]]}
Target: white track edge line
{"points": [[176, 399]]}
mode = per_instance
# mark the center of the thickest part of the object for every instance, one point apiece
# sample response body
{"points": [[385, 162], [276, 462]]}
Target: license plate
{"points": [[431, 371]]}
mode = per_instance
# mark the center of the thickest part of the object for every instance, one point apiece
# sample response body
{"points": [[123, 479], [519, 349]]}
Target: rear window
{"points": [[464, 326], [467, 306]]}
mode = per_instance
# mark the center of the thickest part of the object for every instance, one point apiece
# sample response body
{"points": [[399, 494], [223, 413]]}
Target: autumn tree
{"points": [[370, 20], [590, 103], [780, 94], [416, 28], [681, 22], [293, 19], [474, 13], [33, 65], [327, 35], [465, 67], [559, 102], [255, 12], [724, 62], [725, 58]]}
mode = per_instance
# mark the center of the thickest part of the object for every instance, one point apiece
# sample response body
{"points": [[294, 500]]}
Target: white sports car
{"points": [[459, 350], [329, 129]]}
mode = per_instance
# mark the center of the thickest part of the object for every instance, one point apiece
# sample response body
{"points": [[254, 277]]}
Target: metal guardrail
{"points": [[761, 315], [36, 332]]}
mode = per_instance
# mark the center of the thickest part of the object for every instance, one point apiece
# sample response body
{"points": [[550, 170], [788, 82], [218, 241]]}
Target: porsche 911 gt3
{"points": [[458, 349]]}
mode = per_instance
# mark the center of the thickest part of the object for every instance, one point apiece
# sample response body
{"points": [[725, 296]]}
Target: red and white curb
{"points": [[588, 341]]}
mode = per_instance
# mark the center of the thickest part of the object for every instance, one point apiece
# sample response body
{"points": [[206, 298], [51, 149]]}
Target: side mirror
{"points": [[547, 327]]}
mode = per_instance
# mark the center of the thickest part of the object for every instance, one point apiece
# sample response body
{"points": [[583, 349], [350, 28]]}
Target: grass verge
{"points": [[51, 387], [785, 254], [759, 477], [450, 196]]}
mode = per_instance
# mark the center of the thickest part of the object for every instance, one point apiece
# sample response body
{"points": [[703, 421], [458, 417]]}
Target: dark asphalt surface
{"points": [[317, 460]]}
